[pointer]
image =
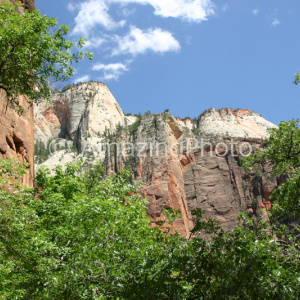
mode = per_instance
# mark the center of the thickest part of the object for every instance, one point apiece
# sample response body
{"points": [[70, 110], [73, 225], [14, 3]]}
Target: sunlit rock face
{"points": [[240, 123], [85, 110], [172, 156], [208, 178], [16, 135]]}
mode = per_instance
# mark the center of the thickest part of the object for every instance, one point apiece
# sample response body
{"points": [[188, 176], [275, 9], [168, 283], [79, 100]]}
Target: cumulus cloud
{"points": [[111, 71], [255, 12], [95, 12], [94, 42], [275, 22], [191, 10], [82, 79], [138, 41], [92, 13]]}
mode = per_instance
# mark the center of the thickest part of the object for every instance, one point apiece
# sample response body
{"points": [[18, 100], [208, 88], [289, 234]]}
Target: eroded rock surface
{"points": [[16, 135], [184, 164]]}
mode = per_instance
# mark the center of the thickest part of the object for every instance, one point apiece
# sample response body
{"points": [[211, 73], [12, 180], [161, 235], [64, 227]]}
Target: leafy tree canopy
{"points": [[33, 50], [87, 236]]}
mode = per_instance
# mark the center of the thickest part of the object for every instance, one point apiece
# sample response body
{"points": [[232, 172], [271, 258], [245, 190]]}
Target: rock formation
{"points": [[17, 136], [241, 123], [184, 164], [26, 4], [16, 132]]}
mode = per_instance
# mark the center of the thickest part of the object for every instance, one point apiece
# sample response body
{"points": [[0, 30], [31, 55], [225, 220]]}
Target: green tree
{"points": [[247, 263], [283, 153], [66, 87], [86, 236], [259, 259], [32, 51]]}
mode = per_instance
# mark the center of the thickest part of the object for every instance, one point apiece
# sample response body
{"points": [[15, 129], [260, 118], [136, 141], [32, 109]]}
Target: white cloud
{"points": [[191, 10], [96, 12], [139, 42], [93, 13], [275, 22], [255, 12], [94, 42], [82, 79], [111, 71]]}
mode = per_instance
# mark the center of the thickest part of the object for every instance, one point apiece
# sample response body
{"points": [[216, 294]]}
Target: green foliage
{"points": [[283, 153], [154, 121], [31, 52], [66, 87], [283, 150], [87, 236], [130, 163], [194, 129], [110, 136], [41, 152], [296, 78], [139, 115], [247, 263], [10, 169], [286, 197], [134, 127]]}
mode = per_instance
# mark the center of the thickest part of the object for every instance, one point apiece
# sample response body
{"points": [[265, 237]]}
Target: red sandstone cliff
{"points": [[215, 183], [16, 132], [16, 135]]}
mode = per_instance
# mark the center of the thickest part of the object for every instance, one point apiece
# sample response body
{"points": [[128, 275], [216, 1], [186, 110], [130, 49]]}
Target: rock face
{"points": [[240, 123], [16, 135], [27, 4], [184, 164], [186, 173], [16, 132], [85, 110]]}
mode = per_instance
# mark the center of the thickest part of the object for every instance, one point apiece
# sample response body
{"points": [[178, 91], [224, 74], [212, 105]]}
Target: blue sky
{"points": [[189, 55]]}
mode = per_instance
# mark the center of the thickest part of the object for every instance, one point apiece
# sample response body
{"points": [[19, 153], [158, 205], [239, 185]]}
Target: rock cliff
{"points": [[17, 136], [184, 164], [26, 4], [16, 132]]}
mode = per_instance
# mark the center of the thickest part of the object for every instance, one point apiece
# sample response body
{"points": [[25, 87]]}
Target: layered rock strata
{"points": [[184, 164]]}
